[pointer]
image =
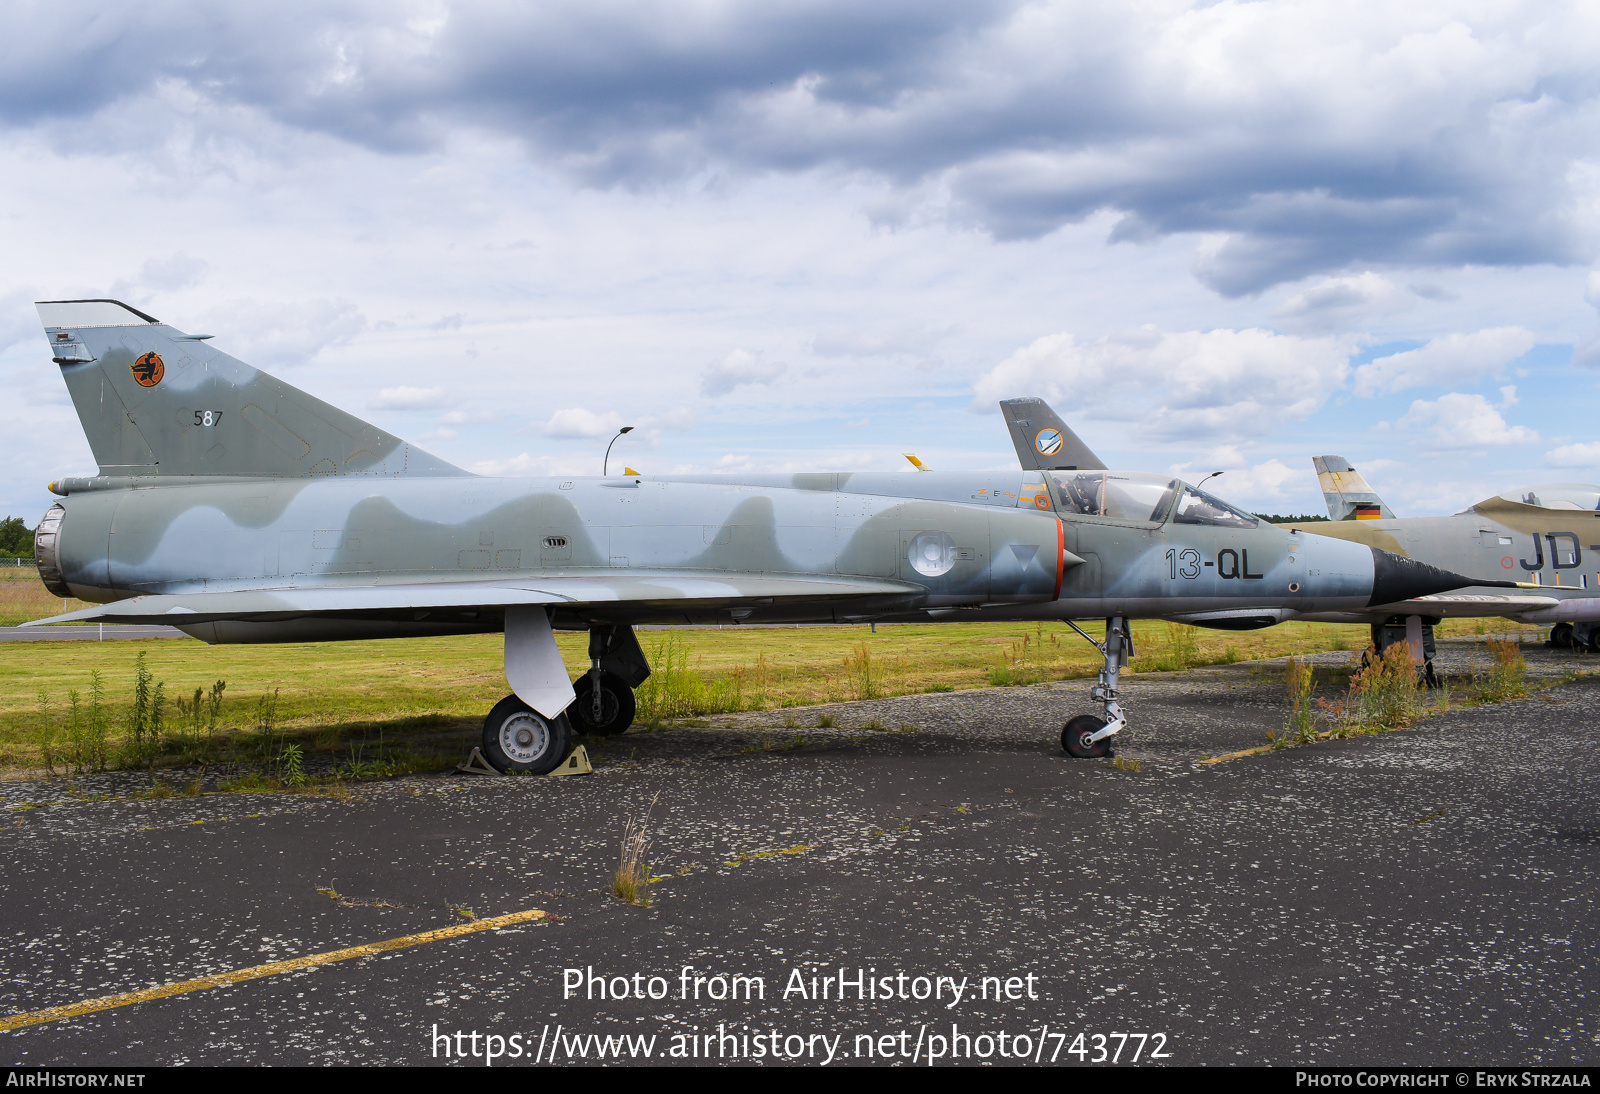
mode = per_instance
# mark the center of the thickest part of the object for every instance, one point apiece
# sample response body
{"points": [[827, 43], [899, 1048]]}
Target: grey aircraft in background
{"points": [[1537, 536], [240, 509]]}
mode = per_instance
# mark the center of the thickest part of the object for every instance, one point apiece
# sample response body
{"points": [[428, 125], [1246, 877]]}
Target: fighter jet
{"points": [[240, 509], [1536, 536], [1461, 543]]}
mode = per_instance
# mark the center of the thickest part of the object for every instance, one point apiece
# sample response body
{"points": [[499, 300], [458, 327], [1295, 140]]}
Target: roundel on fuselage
{"points": [[1048, 442]]}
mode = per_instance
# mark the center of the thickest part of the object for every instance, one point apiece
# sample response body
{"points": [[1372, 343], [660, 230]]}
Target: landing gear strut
{"points": [[605, 706], [1088, 736], [1416, 630]]}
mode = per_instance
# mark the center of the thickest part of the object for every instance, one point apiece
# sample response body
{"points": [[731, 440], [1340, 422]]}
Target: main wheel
{"points": [[616, 707], [1075, 738], [517, 738], [1561, 636]]}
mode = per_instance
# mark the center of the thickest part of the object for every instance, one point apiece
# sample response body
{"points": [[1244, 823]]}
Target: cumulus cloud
{"points": [[1245, 483], [574, 422], [462, 417], [578, 423], [1585, 455], [1298, 140], [1187, 384], [1342, 303], [522, 465], [1451, 359], [1459, 421], [1586, 352], [409, 398], [737, 369], [282, 334]]}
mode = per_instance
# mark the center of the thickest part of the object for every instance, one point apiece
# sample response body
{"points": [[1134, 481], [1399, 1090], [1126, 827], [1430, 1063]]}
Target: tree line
{"points": [[16, 539]]}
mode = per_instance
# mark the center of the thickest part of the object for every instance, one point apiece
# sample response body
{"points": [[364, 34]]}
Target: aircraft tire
{"points": [[617, 707], [1075, 738], [1594, 640], [519, 740], [1561, 636]]}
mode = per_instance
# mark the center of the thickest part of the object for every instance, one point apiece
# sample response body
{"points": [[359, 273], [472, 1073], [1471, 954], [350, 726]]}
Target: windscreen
{"points": [[1120, 495], [1559, 495], [1197, 507]]}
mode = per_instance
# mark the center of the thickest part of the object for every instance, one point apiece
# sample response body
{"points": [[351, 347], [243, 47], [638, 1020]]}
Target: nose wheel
{"points": [[1088, 736], [1078, 738]]}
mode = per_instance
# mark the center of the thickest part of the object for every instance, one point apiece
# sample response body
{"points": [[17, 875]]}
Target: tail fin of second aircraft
{"points": [[1346, 492], [1042, 439], [154, 401]]}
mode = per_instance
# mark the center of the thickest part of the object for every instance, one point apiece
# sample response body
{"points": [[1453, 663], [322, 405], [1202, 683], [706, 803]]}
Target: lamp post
{"points": [[607, 462]]}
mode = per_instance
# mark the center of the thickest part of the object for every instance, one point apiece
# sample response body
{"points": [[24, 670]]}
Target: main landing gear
{"points": [[517, 738], [534, 729], [604, 706], [1089, 736], [1569, 636], [1414, 629]]}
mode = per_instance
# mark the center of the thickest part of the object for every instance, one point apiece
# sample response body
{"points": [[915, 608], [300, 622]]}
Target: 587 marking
{"points": [[207, 418]]}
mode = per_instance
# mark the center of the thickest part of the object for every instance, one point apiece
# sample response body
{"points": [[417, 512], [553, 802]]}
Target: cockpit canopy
{"points": [[1558, 495], [1143, 497]]}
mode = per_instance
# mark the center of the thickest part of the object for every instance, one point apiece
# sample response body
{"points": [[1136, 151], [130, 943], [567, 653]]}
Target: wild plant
{"points": [[46, 733], [1016, 666], [87, 729], [214, 707], [142, 742], [1383, 692], [672, 690], [631, 882], [1299, 679], [1507, 678], [858, 667], [292, 759]]}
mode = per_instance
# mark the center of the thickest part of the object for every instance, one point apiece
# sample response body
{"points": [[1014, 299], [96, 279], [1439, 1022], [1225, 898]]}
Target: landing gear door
{"points": [[623, 658]]}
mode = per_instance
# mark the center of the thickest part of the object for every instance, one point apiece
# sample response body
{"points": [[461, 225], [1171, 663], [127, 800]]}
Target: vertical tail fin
{"points": [[1042, 439], [1347, 494], [154, 401]]}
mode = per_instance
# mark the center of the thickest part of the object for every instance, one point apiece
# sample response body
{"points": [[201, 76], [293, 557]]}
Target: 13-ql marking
{"points": [[1230, 564]]}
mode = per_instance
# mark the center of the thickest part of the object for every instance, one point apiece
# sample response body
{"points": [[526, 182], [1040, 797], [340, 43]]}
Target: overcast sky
{"points": [[788, 236]]}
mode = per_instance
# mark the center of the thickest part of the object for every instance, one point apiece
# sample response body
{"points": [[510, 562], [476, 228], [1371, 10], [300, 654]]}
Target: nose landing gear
{"points": [[1088, 736]]}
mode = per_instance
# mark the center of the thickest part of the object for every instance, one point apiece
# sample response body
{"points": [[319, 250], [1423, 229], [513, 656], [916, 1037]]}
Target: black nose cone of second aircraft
{"points": [[1396, 578]]}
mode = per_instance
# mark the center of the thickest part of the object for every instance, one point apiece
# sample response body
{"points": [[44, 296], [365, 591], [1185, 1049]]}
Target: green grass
{"points": [[389, 707]]}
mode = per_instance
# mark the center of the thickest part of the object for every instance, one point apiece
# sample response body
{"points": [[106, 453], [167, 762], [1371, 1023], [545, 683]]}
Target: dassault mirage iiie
{"points": [[241, 509]]}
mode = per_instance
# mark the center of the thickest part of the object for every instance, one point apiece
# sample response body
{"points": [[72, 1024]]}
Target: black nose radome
{"points": [[1396, 578]]}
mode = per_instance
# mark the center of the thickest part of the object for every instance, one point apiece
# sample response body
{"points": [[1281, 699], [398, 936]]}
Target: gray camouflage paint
{"points": [[220, 479]]}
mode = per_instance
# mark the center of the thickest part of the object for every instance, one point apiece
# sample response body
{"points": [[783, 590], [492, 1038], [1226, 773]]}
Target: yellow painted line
{"points": [[1235, 755], [255, 972]]}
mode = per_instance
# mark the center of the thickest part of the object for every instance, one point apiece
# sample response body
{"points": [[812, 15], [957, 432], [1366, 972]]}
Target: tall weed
{"points": [[1507, 678], [1017, 665], [858, 669], [1382, 693], [1301, 724]]}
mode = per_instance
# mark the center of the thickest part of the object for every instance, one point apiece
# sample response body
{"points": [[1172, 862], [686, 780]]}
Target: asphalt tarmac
{"points": [[1419, 897]]}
